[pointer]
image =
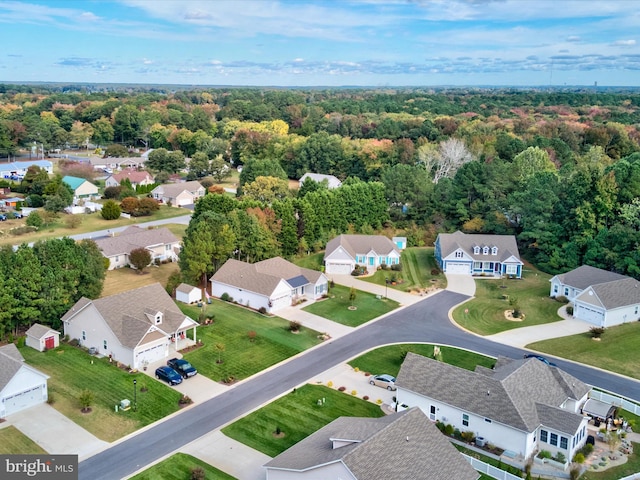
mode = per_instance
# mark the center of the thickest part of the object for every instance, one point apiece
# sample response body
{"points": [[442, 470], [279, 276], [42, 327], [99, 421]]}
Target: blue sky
{"points": [[330, 43]]}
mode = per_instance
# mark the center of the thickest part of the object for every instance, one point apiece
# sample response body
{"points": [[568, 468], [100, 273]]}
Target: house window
{"points": [[553, 439], [465, 419], [512, 270], [494, 250], [564, 442], [117, 259], [476, 250], [477, 265], [566, 291], [104, 344], [84, 335], [485, 251], [555, 289], [486, 266], [543, 436], [635, 311], [167, 248], [380, 260], [459, 254], [488, 420]]}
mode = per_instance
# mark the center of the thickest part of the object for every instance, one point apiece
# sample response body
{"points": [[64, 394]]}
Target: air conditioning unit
{"points": [[481, 441]]}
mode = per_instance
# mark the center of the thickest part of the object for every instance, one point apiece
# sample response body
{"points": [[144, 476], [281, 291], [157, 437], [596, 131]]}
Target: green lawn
{"points": [[313, 261], [485, 314], [632, 466], [72, 371], [13, 441], [297, 415], [336, 307], [179, 467], [617, 351], [389, 359], [242, 357], [417, 264]]}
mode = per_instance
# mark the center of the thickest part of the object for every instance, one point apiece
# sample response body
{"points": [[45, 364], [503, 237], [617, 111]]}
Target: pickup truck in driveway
{"points": [[183, 367]]}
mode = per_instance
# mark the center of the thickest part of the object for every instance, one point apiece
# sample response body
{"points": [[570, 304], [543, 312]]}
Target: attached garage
{"points": [[151, 354], [280, 302], [20, 401], [589, 314], [21, 386], [339, 268], [461, 268]]}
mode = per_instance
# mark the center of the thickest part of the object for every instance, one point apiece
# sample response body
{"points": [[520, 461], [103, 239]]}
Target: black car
{"points": [[168, 375], [183, 367]]}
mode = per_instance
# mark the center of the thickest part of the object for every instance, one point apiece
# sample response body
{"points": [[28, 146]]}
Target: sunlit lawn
{"points": [[13, 441], [124, 279], [337, 306], [180, 467]]}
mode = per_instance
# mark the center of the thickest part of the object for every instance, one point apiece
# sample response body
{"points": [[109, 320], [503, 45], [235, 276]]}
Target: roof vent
{"points": [[488, 392], [407, 439]]}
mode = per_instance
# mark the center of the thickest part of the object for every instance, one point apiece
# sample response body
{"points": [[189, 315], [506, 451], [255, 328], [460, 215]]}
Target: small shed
{"points": [[400, 242], [42, 338], [188, 293]]}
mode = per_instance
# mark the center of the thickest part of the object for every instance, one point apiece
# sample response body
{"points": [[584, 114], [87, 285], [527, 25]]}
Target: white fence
{"points": [[615, 400], [490, 470], [633, 476]]}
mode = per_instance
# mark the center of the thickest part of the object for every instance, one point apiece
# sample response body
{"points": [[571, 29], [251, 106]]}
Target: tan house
{"points": [[179, 194], [135, 328], [82, 189], [136, 177], [160, 242]]}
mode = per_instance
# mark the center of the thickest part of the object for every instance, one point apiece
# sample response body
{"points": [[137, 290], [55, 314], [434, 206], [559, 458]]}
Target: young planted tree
{"points": [[86, 399], [219, 348], [140, 258]]}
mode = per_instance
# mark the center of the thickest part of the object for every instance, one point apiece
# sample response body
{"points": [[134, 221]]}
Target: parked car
{"points": [[3, 217], [168, 375], [17, 214], [384, 381], [541, 358], [183, 367]]}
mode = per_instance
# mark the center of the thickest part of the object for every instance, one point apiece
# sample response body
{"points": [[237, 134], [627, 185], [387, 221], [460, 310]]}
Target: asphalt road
{"points": [[425, 321]]}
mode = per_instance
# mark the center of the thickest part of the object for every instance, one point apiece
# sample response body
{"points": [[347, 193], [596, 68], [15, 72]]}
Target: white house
{"points": [[19, 169], [270, 284], [21, 386], [136, 327], [42, 337], [344, 252], [599, 297], [179, 194], [399, 446], [188, 293], [332, 182], [521, 406], [478, 254]]}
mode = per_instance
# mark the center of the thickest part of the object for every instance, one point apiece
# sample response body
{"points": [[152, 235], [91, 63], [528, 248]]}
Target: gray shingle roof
{"points": [[401, 446], [38, 331], [128, 313], [618, 293], [264, 276], [135, 237], [586, 275], [172, 190], [11, 361], [185, 288], [507, 246], [562, 420], [361, 244], [507, 395]]}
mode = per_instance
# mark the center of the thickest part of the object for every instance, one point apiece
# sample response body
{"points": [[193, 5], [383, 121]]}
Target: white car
{"points": [[384, 381]]}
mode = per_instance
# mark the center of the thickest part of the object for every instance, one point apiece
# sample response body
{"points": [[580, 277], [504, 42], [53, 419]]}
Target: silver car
{"points": [[384, 381]]}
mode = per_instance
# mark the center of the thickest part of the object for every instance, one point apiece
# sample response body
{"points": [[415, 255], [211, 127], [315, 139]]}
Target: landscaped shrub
{"points": [[544, 454], [226, 297], [569, 309], [468, 436], [435, 271], [560, 457], [448, 429], [562, 299], [574, 473], [294, 326], [596, 332], [342, 389], [198, 473], [354, 392], [262, 310], [457, 434], [366, 397], [440, 425], [587, 449], [578, 457], [397, 267]]}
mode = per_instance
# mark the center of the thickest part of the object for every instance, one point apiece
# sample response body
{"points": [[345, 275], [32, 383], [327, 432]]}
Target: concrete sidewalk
{"points": [[314, 322]]}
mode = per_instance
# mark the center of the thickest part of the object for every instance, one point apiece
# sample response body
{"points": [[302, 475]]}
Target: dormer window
{"points": [[158, 318], [485, 251], [476, 250], [494, 250]]}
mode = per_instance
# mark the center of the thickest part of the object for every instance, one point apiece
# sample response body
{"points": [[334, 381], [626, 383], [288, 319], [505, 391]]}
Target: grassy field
{"points": [[485, 314], [90, 222], [417, 264], [13, 441], [72, 370], [123, 279], [179, 467], [389, 359], [297, 415], [336, 307], [243, 357], [617, 351]]}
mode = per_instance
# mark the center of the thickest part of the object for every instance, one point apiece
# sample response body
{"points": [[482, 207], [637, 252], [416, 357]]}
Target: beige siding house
{"points": [[179, 194]]}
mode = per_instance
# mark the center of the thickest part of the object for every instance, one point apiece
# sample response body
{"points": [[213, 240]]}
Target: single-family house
{"points": [[599, 297], [478, 254], [130, 162], [136, 177], [401, 242], [400, 446], [270, 284], [17, 170], [521, 406], [99, 163], [332, 182], [179, 194], [82, 189], [160, 242], [135, 328], [11, 202], [344, 252], [42, 337], [188, 293], [21, 386]]}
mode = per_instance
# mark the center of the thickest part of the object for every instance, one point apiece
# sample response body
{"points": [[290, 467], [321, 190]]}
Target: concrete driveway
{"points": [[464, 284]]}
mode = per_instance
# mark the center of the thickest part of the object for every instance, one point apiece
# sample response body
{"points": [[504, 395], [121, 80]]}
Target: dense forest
{"points": [[559, 169]]}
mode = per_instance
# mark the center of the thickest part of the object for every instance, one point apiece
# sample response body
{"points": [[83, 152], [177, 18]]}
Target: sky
{"points": [[381, 43]]}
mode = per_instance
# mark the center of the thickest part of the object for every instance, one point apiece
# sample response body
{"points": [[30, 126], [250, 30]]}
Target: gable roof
{"points": [[24, 165], [74, 182], [135, 237], [186, 288], [11, 361], [38, 331], [614, 294], [586, 275], [134, 176], [332, 182], [402, 445], [174, 189], [508, 394], [361, 244], [130, 314], [263, 277], [506, 244]]}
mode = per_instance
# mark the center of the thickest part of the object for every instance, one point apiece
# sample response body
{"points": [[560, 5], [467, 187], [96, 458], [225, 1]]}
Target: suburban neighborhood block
{"points": [[135, 328], [477, 254], [21, 386], [271, 284], [344, 252]]}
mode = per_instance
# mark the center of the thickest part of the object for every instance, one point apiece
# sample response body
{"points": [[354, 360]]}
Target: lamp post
{"points": [[386, 286], [135, 398]]}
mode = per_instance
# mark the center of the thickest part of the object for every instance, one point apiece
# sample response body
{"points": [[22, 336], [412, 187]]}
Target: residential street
{"points": [[424, 321]]}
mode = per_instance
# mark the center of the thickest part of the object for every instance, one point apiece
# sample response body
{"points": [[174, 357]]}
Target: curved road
{"points": [[425, 321]]}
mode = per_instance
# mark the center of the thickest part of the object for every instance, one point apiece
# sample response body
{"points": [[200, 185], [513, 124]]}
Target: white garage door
{"points": [[339, 268], [278, 303], [459, 268], [589, 315], [23, 400], [151, 354]]}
